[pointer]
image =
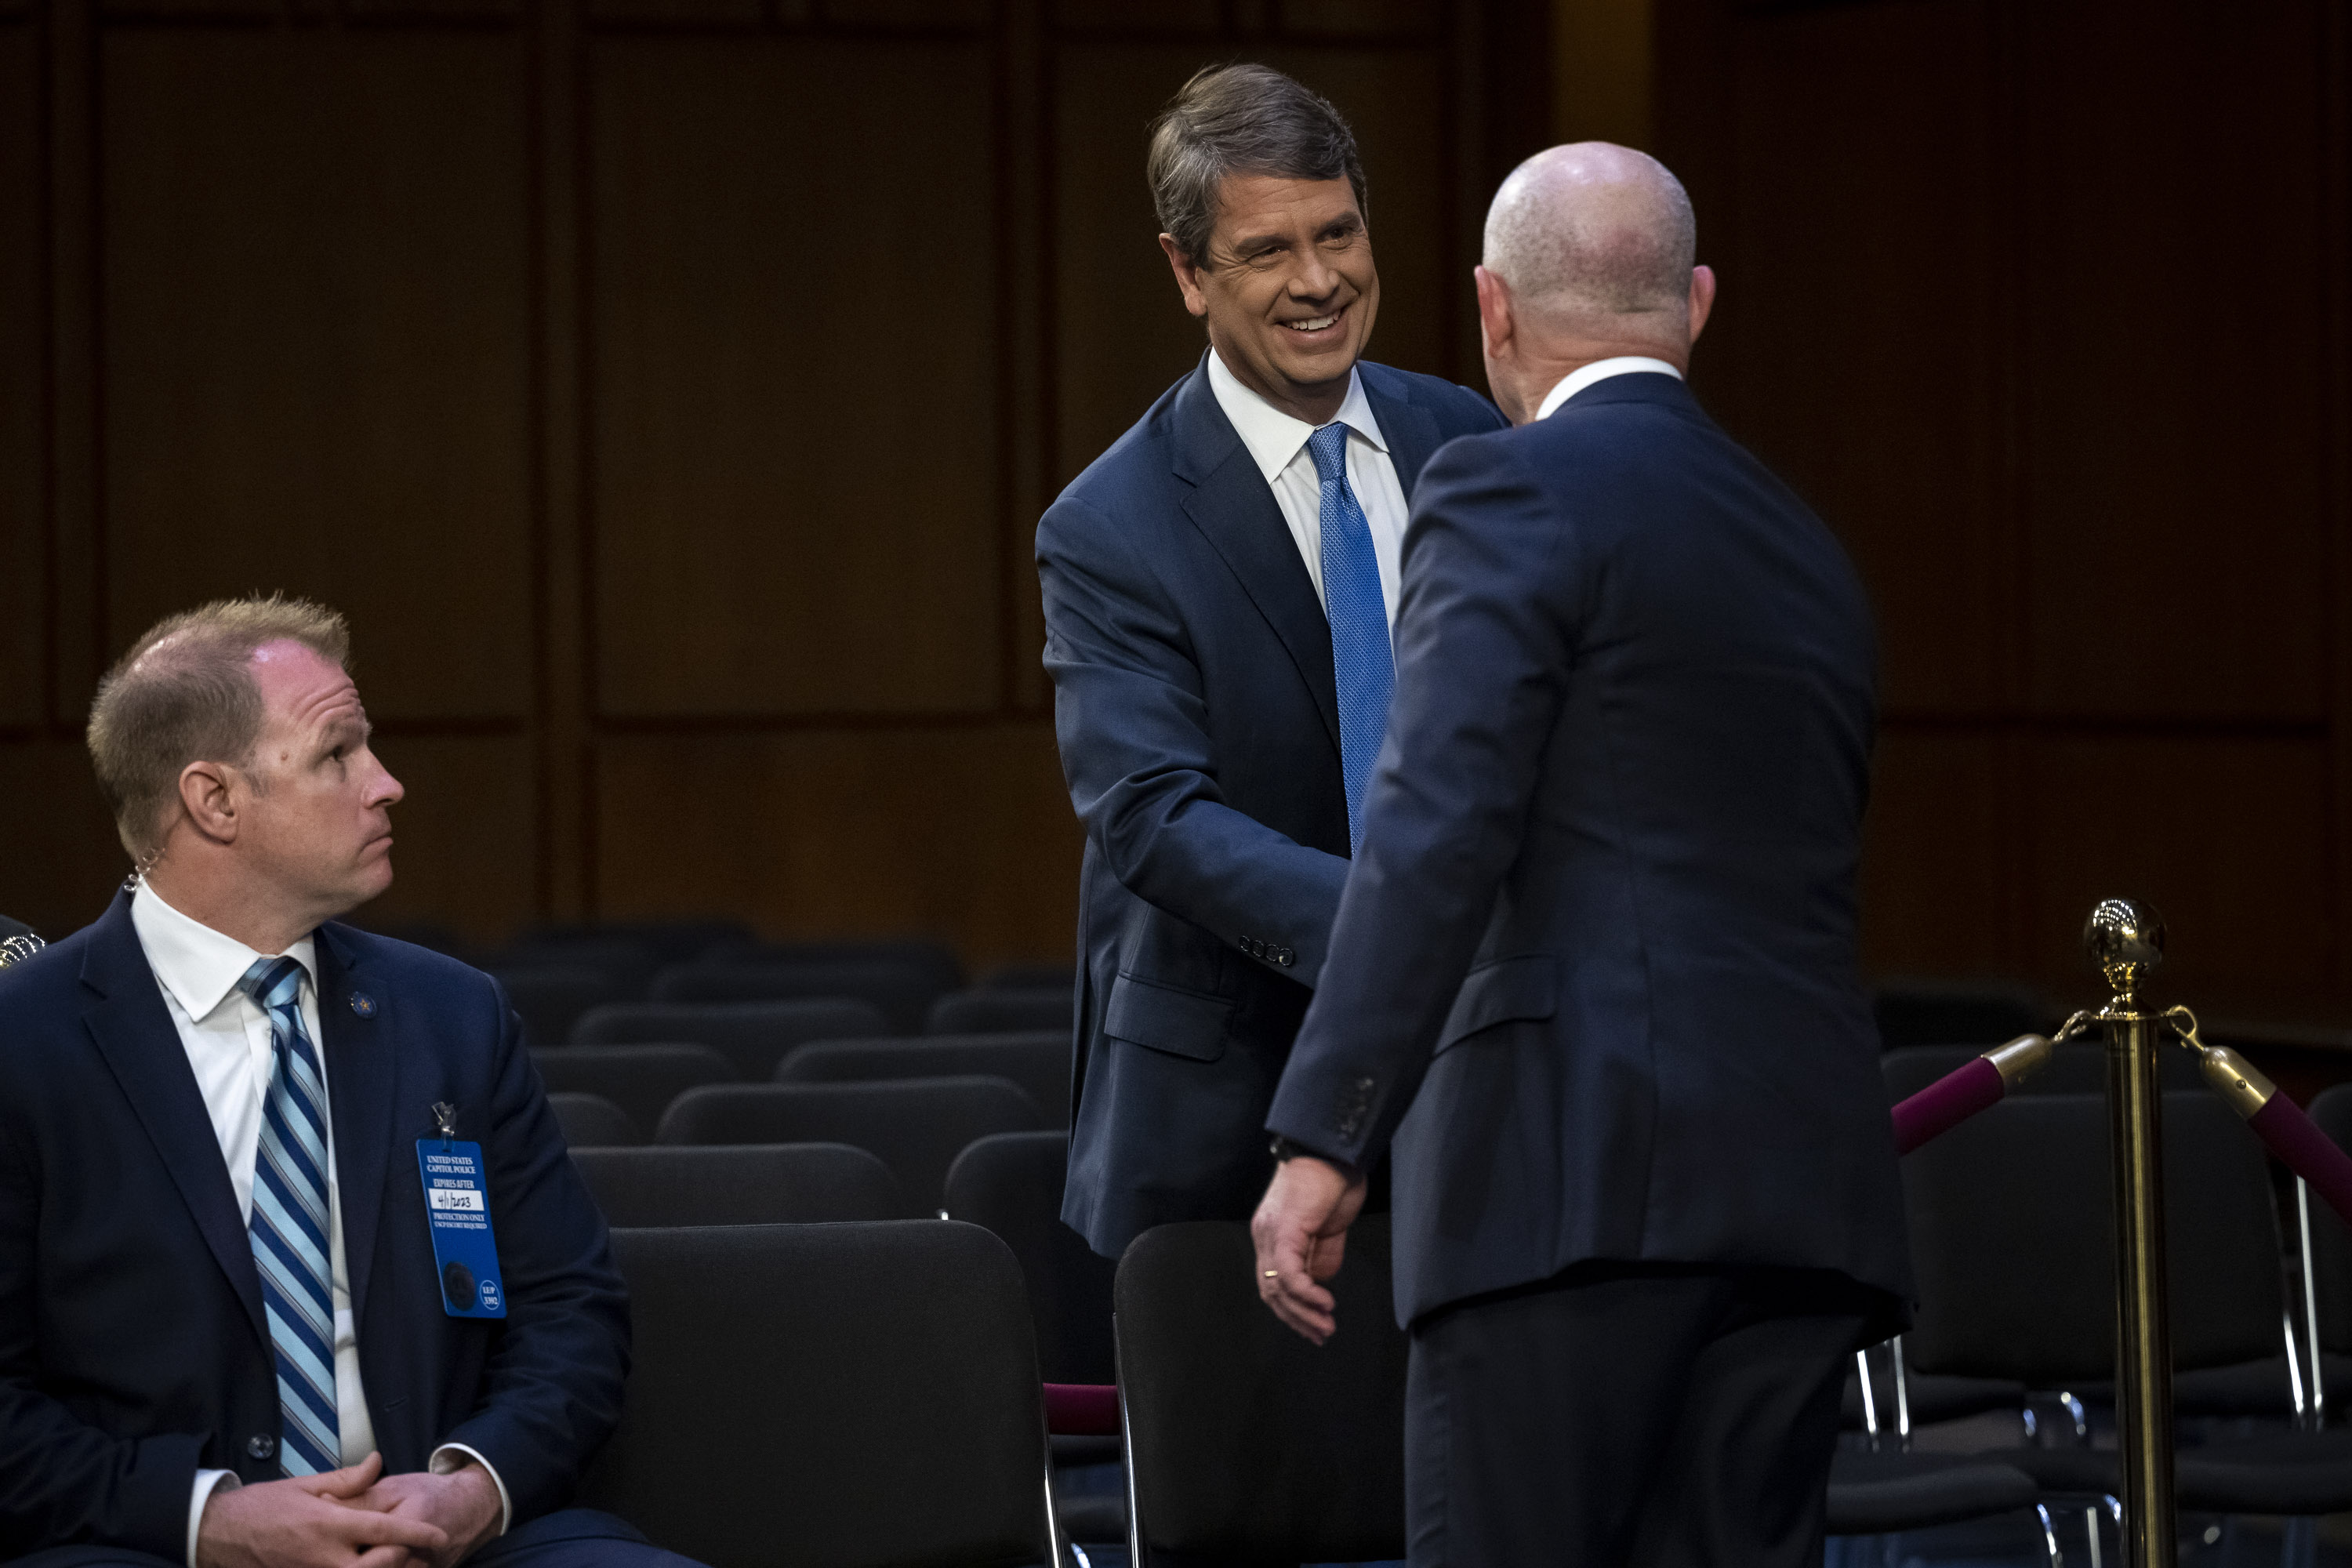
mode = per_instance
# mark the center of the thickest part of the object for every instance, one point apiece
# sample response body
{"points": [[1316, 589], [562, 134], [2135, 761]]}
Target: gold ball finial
{"points": [[2126, 940]]}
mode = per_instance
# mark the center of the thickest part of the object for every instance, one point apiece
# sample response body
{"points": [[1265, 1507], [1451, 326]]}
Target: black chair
{"points": [[550, 1000], [2325, 1243], [2076, 1068], [669, 941], [754, 1035], [629, 965], [904, 992], [1038, 1063], [1245, 1442], [829, 1397], [640, 1080], [935, 961], [760, 1183], [592, 1121], [991, 1011], [1010, 1184], [1981, 1012], [915, 1126], [2012, 1237], [1884, 1492], [1062, 978]]}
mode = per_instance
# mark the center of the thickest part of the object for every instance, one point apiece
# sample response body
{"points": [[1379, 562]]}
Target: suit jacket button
{"points": [[1284, 957], [1253, 947], [261, 1445]]}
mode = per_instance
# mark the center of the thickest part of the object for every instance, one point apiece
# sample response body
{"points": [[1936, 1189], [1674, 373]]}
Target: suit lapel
{"points": [[361, 1072], [1411, 433], [134, 1032], [1232, 505]]}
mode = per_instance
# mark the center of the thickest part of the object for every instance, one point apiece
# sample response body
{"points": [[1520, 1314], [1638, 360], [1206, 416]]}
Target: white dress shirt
{"points": [[1582, 376], [1277, 443], [226, 1036]]}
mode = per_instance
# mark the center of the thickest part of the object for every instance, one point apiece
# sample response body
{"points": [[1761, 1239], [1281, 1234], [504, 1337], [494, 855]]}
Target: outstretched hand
{"points": [[310, 1521], [1301, 1231]]}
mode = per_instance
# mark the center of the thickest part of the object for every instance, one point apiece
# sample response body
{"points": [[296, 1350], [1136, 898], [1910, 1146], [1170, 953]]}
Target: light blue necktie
{"points": [[290, 1226], [1361, 660]]}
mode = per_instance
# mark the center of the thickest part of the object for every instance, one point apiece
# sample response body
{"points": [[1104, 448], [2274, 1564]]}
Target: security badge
{"points": [[457, 1210]]}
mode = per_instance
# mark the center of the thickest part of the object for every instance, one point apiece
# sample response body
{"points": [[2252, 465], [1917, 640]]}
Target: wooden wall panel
{"points": [[60, 861], [962, 832], [2046, 308], [316, 344], [24, 547], [2218, 834], [795, 471], [1933, 900], [1879, 411], [2173, 370], [1122, 333], [461, 852]]}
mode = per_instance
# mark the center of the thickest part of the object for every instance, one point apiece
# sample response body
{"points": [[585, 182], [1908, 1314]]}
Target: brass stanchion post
{"points": [[2127, 942]]}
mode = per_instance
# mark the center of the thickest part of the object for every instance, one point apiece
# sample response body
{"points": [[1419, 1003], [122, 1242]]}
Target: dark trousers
{"points": [[570, 1538], [1660, 1414]]}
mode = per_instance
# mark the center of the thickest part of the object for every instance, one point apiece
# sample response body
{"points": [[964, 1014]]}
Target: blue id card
{"points": [[458, 1207]]}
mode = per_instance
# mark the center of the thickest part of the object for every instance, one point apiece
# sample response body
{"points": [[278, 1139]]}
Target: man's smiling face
{"points": [[1287, 287]]}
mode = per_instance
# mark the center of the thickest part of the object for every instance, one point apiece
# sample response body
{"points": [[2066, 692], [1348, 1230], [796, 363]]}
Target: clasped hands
{"points": [[1301, 1232], [356, 1517]]}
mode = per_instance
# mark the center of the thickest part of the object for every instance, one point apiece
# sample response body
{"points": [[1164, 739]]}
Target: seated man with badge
{"points": [[294, 1268]]}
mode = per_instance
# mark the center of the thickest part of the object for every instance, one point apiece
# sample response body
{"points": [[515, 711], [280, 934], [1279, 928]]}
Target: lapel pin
{"points": [[363, 1004]]}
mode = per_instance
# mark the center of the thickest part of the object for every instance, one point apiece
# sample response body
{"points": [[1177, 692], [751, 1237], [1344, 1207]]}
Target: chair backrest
{"points": [[1062, 978], [1246, 1442], [2076, 1067], [640, 1080], [994, 1011], [592, 1121], [669, 941], [2012, 1241], [631, 963], [550, 1000], [935, 960], [1012, 1184], [1917, 1012], [903, 992], [754, 1035], [828, 1397], [1039, 1063], [758, 1184], [915, 1126], [2331, 1238]]}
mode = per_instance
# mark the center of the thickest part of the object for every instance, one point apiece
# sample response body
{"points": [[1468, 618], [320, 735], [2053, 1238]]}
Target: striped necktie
{"points": [[1361, 662], [290, 1226]]}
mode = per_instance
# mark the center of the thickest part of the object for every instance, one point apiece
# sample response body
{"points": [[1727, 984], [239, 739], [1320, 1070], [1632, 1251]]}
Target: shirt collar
{"points": [[1577, 380], [1273, 437], [198, 965]]}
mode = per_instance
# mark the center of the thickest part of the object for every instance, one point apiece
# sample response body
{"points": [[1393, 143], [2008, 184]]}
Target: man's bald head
{"points": [[1595, 236]]}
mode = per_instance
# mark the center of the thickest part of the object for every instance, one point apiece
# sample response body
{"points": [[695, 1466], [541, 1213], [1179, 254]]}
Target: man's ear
{"points": [[207, 795], [1188, 276], [1496, 324], [1702, 300]]}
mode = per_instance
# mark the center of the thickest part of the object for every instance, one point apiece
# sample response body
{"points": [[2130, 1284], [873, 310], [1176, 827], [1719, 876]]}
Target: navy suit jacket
{"points": [[1622, 794], [132, 1347], [1199, 724]]}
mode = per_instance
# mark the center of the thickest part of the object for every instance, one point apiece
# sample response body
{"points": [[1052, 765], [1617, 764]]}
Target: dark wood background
{"points": [[668, 390]]}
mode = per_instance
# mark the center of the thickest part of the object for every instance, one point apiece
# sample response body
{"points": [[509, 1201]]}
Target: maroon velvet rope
{"points": [[1947, 1102], [2303, 1149]]}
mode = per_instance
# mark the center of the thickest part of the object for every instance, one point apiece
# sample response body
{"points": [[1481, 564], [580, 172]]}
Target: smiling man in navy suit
{"points": [[223, 1336], [1219, 587], [1593, 983]]}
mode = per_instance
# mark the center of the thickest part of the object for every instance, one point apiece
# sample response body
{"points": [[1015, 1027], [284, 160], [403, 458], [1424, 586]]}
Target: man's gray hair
{"points": [[1594, 229], [1241, 120]]}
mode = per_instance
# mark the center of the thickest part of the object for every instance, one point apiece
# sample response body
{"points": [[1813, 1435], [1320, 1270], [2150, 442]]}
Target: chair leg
{"points": [[1135, 1558], [2090, 1531], [2300, 1548], [2049, 1537], [1055, 1545]]}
